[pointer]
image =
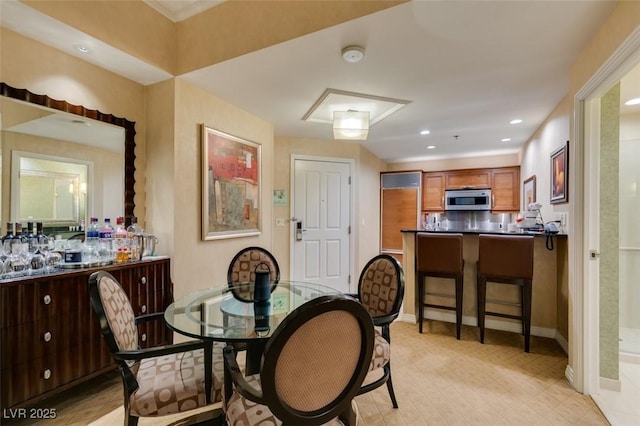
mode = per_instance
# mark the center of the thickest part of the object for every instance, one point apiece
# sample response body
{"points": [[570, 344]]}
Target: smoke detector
{"points": [[353, 54]]}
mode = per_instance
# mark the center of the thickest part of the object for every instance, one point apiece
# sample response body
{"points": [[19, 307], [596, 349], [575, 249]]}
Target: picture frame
{"points": [[560, 175], [528, 192], [231, 171]]}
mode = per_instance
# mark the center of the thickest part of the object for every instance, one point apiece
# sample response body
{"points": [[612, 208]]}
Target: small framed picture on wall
{"points": [[560, 174]]}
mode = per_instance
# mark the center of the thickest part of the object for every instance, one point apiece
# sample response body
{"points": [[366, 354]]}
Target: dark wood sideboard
{"points": [[49, 337]]}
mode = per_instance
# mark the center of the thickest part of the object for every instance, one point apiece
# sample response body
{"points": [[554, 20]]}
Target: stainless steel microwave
{"points": [[467, 199]]}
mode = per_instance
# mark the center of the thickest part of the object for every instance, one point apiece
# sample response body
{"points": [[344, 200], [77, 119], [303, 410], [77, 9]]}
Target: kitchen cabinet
{"points": [[505, 189], [470, 178], [49, 337], [433, 191]]}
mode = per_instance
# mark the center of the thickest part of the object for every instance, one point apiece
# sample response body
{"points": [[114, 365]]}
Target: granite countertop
{"points": [[480, 231]]}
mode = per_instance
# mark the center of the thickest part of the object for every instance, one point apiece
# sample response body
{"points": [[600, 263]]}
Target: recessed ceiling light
{"points": [[634, 101], [505, 140], [431, 146], [425, 132], [81, 48], [516, 121]]}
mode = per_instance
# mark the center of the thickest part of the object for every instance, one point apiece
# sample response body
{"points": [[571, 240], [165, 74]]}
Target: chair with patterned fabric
{"points": [[380, 290], [313, 367], [241, 274], [157, 381]]}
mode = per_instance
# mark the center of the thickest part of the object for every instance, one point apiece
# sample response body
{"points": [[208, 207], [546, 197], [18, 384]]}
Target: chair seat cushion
{"points": [[174, 383], [381, 352], [243, 412]]}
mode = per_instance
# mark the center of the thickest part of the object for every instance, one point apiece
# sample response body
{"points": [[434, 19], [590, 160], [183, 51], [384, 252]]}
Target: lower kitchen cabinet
{"points": [[49, 337]]}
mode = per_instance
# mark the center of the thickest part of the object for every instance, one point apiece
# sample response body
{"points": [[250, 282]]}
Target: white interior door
{"points": [[321, 220]]}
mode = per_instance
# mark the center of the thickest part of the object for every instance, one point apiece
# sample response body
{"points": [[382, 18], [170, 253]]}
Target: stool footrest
{"points": [[501, 315], [502, 302], [449, 296], [431, 305]]}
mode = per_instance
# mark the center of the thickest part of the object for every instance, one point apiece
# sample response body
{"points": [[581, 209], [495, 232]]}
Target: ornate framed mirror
{"points": [[25, 95]]}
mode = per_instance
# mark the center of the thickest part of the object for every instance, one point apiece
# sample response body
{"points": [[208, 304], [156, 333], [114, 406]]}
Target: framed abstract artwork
{"points": [[231, 169]]}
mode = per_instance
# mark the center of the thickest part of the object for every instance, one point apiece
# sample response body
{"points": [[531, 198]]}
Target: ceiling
{"points": [[468, 68]]}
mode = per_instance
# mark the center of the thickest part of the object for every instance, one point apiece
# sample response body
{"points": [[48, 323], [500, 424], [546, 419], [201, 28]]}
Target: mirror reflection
{"points": [[49, 189], [62, 168]]}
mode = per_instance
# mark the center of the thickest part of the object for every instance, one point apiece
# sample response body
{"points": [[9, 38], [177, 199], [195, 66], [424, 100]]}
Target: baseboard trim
{"points": [[610, 384], [568, 373], [629, 358], [562, 342]]}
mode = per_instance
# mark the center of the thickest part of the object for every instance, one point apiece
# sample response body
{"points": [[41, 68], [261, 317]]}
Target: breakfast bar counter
{"points": [[550, 309]]}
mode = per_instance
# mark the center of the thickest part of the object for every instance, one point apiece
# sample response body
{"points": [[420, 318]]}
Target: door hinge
{"points": [[349, 279], [594, 254], [349, 230], [349, 180]]}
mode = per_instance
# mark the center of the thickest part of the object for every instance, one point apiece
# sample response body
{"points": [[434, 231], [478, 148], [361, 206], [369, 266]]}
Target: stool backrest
{"points": [[508, 256], [439, 253]]}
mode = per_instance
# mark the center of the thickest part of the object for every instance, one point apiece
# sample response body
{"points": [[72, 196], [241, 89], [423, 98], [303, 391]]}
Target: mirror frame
{"points": [[129, 134]]}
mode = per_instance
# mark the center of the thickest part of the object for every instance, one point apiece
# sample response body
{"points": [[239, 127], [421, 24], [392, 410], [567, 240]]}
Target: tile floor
{"points": [[438, 381], [622, 408]]}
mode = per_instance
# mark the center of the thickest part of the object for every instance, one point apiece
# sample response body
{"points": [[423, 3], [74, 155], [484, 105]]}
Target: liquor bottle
{"points": [[133, 233], [18, 242], [43, 240], [6, 238], [32, 241], [120, 245]]}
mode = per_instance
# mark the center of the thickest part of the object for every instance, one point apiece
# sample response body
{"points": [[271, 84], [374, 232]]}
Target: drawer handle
{"points": [[143, 337], [143, 309], [47, 336], [46, 374], [143, 280], [46, 299]]}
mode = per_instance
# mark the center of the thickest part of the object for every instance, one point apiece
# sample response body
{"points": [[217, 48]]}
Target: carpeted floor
{"points": [[438, 381]]}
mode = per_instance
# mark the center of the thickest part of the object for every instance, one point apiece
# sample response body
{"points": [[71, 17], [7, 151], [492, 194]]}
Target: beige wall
{"points": [[198, 264], [366, 183], [504, 160], [67, 78]]}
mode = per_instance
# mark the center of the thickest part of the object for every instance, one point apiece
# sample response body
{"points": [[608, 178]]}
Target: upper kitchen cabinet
{"points": [[433, 191], [504, 183], [466, 179], [505, 189]]}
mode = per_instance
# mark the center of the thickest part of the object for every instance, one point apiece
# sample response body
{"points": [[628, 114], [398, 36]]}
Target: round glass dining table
{"points": [[221, 314]]}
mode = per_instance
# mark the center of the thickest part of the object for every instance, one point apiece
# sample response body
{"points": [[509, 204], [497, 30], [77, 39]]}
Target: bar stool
{"points": [[439, 255], [506, 259]]}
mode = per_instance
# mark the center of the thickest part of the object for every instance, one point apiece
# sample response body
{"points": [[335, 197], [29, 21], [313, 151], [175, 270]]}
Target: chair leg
{"points": [[392, 394], [421, 278], [131, 420], [459, 281], [526, 313], [482, 295]]}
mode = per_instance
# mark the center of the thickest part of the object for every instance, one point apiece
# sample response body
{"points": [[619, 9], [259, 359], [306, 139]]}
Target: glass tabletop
{"points": [[216, 314]]}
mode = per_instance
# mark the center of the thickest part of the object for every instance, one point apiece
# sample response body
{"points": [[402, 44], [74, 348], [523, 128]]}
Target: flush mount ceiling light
{"points": [[634, 101], [353, 54], [352, 125], [516, 121], [333, 100]]}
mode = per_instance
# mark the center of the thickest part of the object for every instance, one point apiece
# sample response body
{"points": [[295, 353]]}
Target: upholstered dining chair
{"points": [[313, 367], [159, 380], [380, 290], [241, 273]]}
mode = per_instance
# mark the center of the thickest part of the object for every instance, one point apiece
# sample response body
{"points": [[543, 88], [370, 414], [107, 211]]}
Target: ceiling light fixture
{"points": [[516, 121], [431, 147], [505, 140], [634, 101], [352, 125], [353, 54], [81, 48], [425, 132]]}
